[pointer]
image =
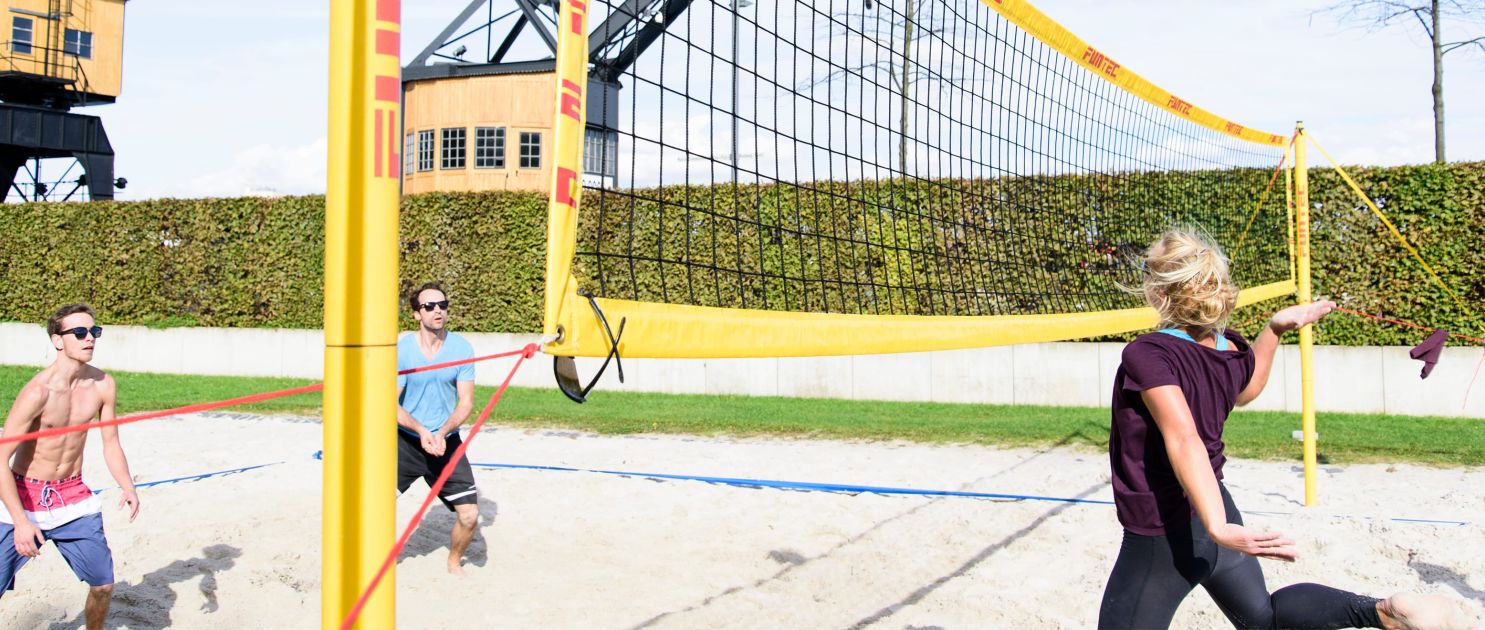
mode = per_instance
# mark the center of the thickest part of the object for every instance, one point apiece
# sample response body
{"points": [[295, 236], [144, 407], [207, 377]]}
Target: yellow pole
{"points": [[568, 129], [361, 204], [1306, 334]]}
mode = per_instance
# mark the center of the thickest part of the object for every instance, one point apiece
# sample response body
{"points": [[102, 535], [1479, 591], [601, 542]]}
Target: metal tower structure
{"points": [[615, 43]]}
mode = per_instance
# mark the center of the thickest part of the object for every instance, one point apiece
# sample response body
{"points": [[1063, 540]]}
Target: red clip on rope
{"points": [[448, 469], [242, 400]]}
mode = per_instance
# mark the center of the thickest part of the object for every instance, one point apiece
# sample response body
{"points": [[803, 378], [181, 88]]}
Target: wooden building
{"points": [[490, 132], [71, 50], [475, 121], [59, 54]]}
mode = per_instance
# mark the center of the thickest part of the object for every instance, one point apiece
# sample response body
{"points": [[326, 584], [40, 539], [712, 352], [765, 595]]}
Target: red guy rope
{"points": [[448, 470], [1412, 325], [242, 400], [1403, 323], [1466, 403]]}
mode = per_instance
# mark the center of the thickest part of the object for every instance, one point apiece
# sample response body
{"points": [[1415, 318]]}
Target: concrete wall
{"points": [[1364, 379]]}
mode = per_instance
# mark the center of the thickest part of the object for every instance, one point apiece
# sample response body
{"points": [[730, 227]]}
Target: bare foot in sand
{"points": [[1407, 611]]}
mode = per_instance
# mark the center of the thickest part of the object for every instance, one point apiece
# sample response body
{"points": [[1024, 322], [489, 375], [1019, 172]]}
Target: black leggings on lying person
{"points": [[1154, 573]]}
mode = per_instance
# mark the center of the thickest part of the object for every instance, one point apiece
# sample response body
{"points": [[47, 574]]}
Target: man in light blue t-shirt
{"points": [[431, 406]]}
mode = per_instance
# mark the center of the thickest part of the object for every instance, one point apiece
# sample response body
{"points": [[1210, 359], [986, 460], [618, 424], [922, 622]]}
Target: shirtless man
{"points": [[44, 496]]}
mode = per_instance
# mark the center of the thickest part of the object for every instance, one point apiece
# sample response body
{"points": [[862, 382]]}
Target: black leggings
{"points": [[1154, 573]]}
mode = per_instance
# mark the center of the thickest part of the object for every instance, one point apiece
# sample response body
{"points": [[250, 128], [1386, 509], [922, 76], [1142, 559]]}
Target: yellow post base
{"points": [[1307, 415], [359, 519]]}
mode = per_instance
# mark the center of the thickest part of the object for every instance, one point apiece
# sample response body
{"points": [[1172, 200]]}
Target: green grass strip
{"points": [[1345, 437]]}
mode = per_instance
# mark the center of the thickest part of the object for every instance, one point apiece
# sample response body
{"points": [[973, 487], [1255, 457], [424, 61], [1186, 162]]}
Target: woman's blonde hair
{"points": [[1187, 282]]}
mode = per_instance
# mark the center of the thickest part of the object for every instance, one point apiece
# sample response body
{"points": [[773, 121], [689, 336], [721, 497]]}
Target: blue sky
{"points": [[230, 98]]}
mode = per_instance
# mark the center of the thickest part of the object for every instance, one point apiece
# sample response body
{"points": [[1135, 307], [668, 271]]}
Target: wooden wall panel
{"points": [[517, 102]]}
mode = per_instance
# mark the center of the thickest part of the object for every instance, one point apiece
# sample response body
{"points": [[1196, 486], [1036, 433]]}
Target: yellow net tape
{"points": [[1289, 214], [1048, 31]]}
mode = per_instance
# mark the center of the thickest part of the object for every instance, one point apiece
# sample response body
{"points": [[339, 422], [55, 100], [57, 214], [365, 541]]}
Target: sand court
{"points": [[562, 549]]}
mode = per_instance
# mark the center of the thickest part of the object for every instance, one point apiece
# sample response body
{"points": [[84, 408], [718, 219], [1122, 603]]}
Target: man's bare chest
{"points": [[70, 407]]}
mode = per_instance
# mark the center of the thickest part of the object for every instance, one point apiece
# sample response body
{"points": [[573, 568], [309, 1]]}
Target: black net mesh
{"points": [[916, 157]]}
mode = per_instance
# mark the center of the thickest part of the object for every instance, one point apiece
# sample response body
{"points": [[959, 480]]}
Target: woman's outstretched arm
{"points": [[1268, 341]]}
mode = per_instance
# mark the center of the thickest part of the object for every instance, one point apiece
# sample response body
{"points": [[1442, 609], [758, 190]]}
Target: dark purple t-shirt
{"points": [[1147, 494]]}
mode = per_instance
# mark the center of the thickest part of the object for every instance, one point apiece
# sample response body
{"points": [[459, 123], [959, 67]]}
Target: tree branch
{"points": [[1427, 28], [1373, 15], [859, 71], [1478, 42], [1472, 12]]}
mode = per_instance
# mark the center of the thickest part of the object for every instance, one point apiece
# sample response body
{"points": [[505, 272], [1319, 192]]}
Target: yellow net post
{"points": [[361, 205], [1307, 333], [568, 128]]}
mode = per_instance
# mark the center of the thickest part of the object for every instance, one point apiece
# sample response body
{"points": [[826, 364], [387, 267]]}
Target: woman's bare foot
{"points": [[1408, 611]]}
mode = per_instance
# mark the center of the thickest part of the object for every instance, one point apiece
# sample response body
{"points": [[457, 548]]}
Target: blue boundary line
{"points": [[744, 482], [1428, 520], [804, 485], [219, 473], [854, 489], [1398, 519]]}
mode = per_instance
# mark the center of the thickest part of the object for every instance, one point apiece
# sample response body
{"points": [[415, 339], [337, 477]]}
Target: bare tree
{"points": [[1430, 15], [895, 31]]}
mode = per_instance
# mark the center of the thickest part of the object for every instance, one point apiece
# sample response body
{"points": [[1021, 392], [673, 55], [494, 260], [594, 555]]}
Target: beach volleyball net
{"points": [[832, 177]]}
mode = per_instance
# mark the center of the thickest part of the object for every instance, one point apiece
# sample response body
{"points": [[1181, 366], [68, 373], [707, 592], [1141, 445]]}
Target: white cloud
{"points": [[260, 9], [1400, 141], [263, 170], [225, 100]]}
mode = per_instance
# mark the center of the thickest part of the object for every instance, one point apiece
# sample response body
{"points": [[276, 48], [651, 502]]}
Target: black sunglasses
{"points": [[81, 333], [429, 306]]}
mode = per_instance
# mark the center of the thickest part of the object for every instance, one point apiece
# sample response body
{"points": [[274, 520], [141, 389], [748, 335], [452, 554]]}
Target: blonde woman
{"points": [[1172, 394]]}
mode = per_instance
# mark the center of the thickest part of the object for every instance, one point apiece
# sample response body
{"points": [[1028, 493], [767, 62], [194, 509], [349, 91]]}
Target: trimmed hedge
{"points": [[1037, 244], [258, 262], [1358, 263]]}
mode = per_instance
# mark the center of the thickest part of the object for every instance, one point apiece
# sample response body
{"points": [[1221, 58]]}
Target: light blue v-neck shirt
{"points": [[430, 397]]}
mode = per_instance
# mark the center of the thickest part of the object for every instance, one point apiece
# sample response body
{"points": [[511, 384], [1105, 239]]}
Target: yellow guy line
{"points": [[1264, 197], [1378, 211]]}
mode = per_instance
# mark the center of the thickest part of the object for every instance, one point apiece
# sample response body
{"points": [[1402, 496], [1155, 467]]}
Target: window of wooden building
{"points": [[21, 30], [78, 43], [425, 150], [453, 148], [530, 149], [489, 147]]}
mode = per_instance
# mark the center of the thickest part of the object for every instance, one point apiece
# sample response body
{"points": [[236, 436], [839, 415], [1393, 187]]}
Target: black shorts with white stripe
{"points": [[414, 463]]}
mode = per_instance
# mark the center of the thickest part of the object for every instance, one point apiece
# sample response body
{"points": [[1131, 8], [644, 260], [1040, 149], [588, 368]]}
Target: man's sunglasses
{"points": [[82, 333], [429, 306]]}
